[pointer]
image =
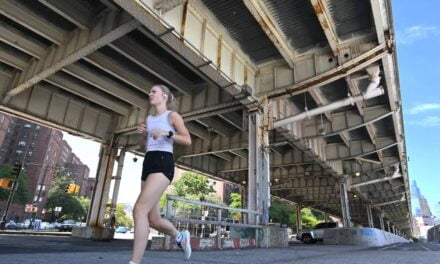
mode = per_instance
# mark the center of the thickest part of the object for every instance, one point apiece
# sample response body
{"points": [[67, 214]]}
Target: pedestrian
{"points": [[161, 130]]}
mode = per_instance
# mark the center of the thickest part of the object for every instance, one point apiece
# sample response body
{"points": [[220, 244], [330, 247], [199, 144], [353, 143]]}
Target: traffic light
{"points": [[76, 188], [4, 183], [70, 188], [16, 169]]}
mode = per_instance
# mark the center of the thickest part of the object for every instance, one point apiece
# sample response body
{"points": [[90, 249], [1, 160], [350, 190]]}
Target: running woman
{"points": [[161, 130]]}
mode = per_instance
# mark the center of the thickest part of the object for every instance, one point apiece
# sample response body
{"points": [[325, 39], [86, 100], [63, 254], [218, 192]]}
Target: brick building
{"points": [[42, 151]]}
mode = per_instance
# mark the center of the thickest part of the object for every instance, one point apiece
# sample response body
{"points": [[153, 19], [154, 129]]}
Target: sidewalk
{"points": [[25, 249]]}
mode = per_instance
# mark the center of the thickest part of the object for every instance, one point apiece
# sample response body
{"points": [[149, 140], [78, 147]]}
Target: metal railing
{"points": [[202, 224]]}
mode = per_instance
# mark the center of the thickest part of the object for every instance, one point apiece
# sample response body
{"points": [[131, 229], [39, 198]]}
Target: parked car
{"points": [[121, 229], [315, 234], [67, 225], [46, 225], [11, 225]]}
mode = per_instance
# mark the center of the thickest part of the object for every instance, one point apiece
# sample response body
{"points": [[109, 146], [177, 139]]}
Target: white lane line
{"points": [[388, 247], [427, 249]]}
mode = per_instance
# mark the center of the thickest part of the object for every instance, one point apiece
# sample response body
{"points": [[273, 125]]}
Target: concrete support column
{"points": [[95, 228], [258, 173], [117, 179], [388, 224], [370, 216], [298, 207], [394, 229], [382, 225], [346, 220]]}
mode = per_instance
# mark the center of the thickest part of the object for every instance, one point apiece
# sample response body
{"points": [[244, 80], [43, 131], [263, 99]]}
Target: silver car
{"points": [[315, 234]]}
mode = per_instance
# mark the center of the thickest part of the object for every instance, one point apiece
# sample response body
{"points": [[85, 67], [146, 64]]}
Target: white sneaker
{"points": [[184, 242]]}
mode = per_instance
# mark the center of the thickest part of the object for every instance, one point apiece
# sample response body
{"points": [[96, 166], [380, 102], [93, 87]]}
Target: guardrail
{"points": [[202, 221]]}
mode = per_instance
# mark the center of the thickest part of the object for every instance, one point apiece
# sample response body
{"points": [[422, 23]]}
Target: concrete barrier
{"points": [[434, 234], [273, 236], [94, 233], [361, 237], [162, 243]]}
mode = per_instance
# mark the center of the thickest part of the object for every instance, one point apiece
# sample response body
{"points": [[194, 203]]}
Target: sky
{"points": [[88, 152], [417, 27]]}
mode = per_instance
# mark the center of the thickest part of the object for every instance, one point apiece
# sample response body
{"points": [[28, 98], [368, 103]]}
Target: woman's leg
{"points": [[152, 190], [161, 224]]}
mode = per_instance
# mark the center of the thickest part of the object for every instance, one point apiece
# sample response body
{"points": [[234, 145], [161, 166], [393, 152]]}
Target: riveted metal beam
{"points": [[81, 43]]}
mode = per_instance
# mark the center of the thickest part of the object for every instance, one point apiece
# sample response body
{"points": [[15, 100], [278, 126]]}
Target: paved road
{"points": [[25, 249]]}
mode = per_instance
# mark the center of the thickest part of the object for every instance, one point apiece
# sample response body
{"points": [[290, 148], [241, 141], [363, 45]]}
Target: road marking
{"points": [[388, 247], [427, 249]]}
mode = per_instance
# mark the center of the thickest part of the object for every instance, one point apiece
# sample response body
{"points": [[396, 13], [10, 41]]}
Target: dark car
{"points": [[67, 225]]}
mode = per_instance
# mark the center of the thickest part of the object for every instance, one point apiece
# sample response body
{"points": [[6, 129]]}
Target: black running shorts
{"points": [[158, 161]]}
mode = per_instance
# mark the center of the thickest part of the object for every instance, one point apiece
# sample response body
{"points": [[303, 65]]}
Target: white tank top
{"points": [[159, 122]]}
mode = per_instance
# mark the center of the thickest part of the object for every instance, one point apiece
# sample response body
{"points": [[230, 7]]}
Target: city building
{"points": [[423, 218], [41, 151]]}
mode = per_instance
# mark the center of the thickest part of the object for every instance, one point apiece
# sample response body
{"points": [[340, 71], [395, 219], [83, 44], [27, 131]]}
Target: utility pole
{"points": [[40, 190], [16, 172]]}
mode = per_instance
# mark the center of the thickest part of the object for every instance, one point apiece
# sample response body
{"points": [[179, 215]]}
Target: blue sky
{"points": [[417, 26]]}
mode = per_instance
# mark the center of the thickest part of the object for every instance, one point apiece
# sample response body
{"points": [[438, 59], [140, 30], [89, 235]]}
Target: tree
{"points": [[235, 203], [192, 184], [309, 220], [282, 213], [73, 207], [285, 214], [122, 219], [23, 194]]}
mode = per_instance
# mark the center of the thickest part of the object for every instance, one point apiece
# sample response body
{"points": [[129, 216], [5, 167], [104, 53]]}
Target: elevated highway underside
{"points": [[239, 69]]}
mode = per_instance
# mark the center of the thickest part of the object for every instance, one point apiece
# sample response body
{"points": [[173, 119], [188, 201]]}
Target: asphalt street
{"points": [[27, 249]]}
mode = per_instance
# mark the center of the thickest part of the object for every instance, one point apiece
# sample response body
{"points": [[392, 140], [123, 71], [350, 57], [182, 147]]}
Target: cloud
{"points": [[429, 121], [411, 34], [423, 108]]}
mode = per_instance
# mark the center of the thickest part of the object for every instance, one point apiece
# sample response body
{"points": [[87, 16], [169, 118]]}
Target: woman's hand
{"points": [[142, 129], [158, 133]]}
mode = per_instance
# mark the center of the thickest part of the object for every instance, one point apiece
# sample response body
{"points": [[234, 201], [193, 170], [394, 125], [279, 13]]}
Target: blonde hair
{"points": [[171, 100]]}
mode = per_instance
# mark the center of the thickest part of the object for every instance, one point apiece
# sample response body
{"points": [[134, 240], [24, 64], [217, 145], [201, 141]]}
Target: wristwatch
{"points": [[170, 134]]}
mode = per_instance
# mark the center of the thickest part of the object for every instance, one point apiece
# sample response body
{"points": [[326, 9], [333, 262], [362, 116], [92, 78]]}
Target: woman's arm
{"points": [[182, 134], [142, 137]]}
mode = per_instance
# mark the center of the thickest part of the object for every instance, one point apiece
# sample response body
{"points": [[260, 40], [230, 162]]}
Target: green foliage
{"points": [[309, 220], [73, 207], [235, 203], [59, 182], [122, 219], [284, 213], [192, 184], [23, 194]]}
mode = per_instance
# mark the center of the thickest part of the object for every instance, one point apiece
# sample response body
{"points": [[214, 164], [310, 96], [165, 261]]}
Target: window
{"points": [[18, 153], [22, 143], [30, 154], [37, 127], [27, 126]]}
